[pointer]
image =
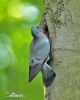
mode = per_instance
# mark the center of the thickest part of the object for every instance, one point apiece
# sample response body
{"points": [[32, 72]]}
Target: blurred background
{"points": [[16, 19]]}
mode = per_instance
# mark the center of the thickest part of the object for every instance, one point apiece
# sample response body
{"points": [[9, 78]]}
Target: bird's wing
{"points": [[41, 49], [39, 52], [33, 71]]}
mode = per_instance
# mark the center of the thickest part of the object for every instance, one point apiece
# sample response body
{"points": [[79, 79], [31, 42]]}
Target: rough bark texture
{"points": [[61, 22]]}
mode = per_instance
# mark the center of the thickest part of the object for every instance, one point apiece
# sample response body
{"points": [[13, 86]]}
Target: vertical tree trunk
{"points": [[61, 19]]}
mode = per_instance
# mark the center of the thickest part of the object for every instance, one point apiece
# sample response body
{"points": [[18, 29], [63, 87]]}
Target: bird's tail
{"points": [[48, 75]]}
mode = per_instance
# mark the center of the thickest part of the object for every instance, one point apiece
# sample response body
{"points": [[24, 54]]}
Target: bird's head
{"points": [[35, 31]]}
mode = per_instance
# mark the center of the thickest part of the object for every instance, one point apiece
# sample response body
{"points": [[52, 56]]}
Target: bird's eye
{"points": [[37, 27]]}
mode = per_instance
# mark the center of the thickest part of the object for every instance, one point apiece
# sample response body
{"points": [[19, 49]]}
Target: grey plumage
{"points": [[39, 51]]}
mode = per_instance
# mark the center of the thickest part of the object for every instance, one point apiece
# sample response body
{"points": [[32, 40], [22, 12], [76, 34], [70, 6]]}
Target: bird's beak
{"points": [[41, 30]]}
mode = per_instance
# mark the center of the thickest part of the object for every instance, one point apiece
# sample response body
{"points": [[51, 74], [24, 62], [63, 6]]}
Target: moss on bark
{"points": [[62, 19]]}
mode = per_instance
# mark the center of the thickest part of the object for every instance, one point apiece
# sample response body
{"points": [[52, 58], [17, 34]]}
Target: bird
{"points": [[39, 55]]}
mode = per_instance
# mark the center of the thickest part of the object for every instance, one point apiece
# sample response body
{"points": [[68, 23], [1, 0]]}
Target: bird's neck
{"points": [[40, 36]]}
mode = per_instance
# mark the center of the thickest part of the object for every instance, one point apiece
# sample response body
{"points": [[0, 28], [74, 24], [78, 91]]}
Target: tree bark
{"points": [[61, 23]]}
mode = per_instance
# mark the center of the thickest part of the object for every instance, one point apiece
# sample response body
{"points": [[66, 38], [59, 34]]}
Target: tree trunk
{"points": [[61, 19]]}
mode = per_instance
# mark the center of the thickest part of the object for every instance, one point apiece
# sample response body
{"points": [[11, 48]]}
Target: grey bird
{"points": [[39, 55]]}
